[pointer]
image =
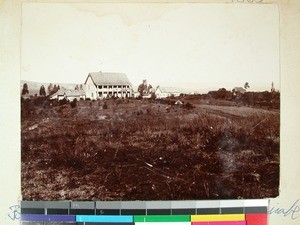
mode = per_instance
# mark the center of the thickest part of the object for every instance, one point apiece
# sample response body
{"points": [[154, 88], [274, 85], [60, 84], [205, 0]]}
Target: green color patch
{"points": [[167, 218]]}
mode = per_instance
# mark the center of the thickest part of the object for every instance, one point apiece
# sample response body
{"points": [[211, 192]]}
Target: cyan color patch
{"points": [[105, 219]]}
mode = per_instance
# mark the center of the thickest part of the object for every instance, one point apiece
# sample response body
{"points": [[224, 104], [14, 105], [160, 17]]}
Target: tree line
{"points": [[51, 89]]}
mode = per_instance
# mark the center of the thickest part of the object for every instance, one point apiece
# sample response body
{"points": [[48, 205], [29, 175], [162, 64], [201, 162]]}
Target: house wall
{"points": [[136, 94], [163, 95], [115, 90], [58, 97], [106, 91], [90, 89], [160, 94]]}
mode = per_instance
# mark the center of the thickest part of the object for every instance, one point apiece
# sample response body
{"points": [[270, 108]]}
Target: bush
{"points": [[39, 101], [153, 96], [188, 106], [74, 103], [105, 106], [63, 101]]}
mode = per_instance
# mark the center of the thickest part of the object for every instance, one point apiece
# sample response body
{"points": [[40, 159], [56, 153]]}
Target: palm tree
{"points": [[246, 85], [272, 87]]}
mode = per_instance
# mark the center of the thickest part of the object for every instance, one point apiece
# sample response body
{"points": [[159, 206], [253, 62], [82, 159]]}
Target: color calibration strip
{"points": [[212, 212]]}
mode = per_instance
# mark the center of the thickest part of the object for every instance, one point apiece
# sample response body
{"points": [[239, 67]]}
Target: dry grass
{"points": [[141, 150]]}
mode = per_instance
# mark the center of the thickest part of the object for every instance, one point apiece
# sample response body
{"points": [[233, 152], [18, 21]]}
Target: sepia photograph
{"points": [[149, 101]]}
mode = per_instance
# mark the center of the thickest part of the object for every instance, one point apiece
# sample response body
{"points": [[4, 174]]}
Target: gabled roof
{"points": [[68, 93], [239, 89], [59, 92], [178, 102], [171, 90], [100, 78]]}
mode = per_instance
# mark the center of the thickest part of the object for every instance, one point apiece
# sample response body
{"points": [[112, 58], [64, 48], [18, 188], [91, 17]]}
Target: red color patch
{"points": [[257, 219]]}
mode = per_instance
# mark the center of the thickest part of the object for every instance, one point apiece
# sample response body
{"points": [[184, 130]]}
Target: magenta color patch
{"points": [[221, 223]]}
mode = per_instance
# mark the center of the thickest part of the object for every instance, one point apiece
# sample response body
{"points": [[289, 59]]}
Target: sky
{"points": [[199, 46]]}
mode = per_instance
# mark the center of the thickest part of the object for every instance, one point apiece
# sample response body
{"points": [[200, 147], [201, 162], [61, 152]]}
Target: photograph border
{"points": [[289, 117]]}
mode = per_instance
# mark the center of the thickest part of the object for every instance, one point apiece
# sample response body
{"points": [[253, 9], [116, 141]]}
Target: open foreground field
{"points": [[147, 150]]}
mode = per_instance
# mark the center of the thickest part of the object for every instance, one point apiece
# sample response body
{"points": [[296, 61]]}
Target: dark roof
{"points": [[100, 78]]}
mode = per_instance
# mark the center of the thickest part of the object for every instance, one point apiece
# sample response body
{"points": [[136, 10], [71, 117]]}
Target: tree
{"points": [[222, 93], [272, 87], [246, 85], [42, 91], [52, 89], [149, 89], [76, 87], [142, 88], [49, 88], [25, 89]]}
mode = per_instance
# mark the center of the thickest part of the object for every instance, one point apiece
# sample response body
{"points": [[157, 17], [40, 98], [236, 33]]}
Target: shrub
{"points": [[39, 101], [153, 96], [74, 103], [63, 101], [105, 106], [188, 106]]}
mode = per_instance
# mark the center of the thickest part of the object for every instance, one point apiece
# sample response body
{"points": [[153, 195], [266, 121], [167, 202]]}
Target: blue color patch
{"points": [[47, 218]]}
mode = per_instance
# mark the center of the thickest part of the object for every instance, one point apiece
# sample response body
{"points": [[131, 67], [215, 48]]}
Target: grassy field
{"points": [[147, 150]]}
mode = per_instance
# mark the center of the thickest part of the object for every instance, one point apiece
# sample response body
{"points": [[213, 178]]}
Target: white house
{"points": [[68, 94], [239, 90], [105, 85], [136, 94], [164, 92]]}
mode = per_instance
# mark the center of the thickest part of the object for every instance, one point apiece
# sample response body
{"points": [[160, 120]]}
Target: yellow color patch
{"points": [[218, 217]]}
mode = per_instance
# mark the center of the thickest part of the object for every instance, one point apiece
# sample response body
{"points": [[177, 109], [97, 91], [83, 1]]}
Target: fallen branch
{"points": [[148, 164], [153, 171]]}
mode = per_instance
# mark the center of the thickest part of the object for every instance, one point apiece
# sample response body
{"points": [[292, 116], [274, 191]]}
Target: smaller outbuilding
{"points": [[68, 94], [239, 90], [165, 92]]}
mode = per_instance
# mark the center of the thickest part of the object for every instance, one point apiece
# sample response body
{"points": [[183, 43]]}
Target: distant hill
{"points": [[34, 87]]}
